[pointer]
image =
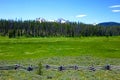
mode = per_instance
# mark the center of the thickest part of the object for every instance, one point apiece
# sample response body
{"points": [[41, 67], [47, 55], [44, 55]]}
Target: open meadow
{"points": [[61, 51]]}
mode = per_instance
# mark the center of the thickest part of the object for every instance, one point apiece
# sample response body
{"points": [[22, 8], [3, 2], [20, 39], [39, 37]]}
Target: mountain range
{"points": [[109, 24], [61, 20]]}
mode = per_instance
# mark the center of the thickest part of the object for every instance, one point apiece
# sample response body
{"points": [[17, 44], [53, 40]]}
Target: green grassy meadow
{"points": [[83, 51]]}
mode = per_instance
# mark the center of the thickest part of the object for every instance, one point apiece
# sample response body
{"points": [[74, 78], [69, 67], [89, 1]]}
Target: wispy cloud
{"points": [[115, 6], [81, 15], [115, 10]]}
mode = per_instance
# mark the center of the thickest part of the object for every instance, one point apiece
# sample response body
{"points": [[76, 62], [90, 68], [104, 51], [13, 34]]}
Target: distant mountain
{"points": [[109, 24], [60, 20]]}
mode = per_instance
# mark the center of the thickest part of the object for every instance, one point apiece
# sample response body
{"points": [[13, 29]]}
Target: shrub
{"points": [[40, 72]]}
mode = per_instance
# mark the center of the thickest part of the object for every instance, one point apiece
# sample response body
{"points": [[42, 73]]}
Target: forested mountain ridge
{"points": [[109, 24], [53, 29]]}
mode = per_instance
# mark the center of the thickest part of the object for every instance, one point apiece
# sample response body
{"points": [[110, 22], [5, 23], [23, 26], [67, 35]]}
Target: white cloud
{"points": [[81, 15], [115, 10], [115, 6]]}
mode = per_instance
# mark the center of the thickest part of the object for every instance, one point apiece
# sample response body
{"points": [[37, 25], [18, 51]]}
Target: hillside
{"points": [[109, 24]]}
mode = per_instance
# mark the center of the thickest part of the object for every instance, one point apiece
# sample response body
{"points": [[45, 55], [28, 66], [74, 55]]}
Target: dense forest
{"points": [[32, 28]]}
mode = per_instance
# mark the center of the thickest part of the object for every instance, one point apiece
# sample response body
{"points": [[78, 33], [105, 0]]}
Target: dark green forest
{"points": [[32, 28]]}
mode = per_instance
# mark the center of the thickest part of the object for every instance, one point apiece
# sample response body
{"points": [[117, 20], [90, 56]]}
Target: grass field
{"points": [[83, 51]]}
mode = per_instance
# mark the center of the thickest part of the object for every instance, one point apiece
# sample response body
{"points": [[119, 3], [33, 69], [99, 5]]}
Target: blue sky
{"points": [[86, 11]]}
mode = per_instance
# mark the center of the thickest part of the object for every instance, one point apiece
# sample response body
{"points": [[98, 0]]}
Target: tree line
{"points": [[32, 28]]}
